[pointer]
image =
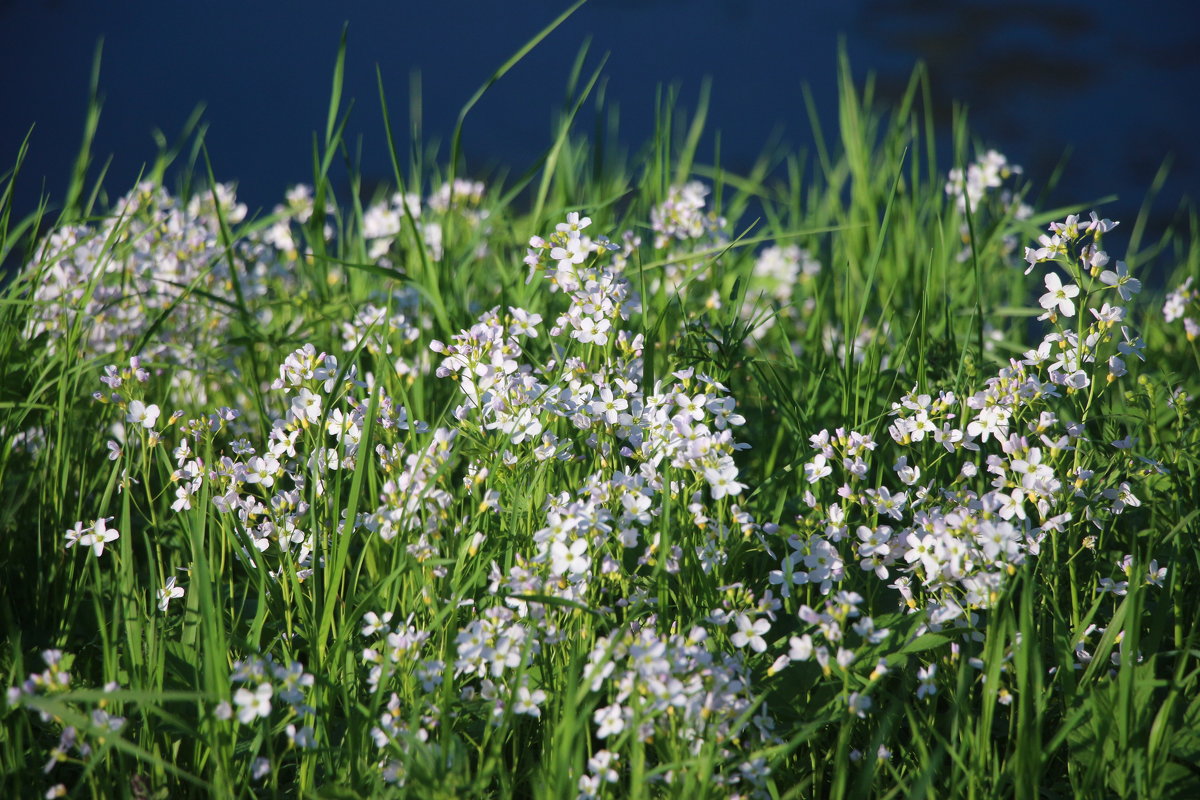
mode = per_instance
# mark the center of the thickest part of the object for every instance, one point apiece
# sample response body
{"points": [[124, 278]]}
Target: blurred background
{"points": [[1112, 83]]}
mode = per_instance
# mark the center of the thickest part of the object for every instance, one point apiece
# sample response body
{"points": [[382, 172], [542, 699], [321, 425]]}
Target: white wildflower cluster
{"points": [[978, 185], [386, 222], [74, 743], [56, 678], [134, 435], [689, 239], [965, 488], [597, 393], [601, 773], [297, 210], [832, 631], [396, 665], [125, 390], [682, 227], [396, 648], [266, 686], [497, 647], [154, 261], [676, 685], [778, 271], [315, 441], [414, 499], [988, 172], [677, 438], [1183, 302], [1151, 575], [391, 318], [573, 254], [1154, 576], [780, 267], [950, 548], [261, 681], [681, 217]]}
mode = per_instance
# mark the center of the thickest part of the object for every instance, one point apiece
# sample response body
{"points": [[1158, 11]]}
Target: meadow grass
{"points": [[850, 476]]}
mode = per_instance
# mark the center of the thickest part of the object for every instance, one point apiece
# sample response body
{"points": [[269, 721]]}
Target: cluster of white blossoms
{"points": [[984, 182], [264, 687], [687, 235], [397, 663], [779, 272], [1183, 302], [159, 262], [589, 397], [948, 549], [659, 494], [387, 222], [988, 172], [682, 216], [74, 743]]}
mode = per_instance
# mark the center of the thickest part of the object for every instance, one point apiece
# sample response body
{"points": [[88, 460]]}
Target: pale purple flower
{"points": [[1126, 285]]}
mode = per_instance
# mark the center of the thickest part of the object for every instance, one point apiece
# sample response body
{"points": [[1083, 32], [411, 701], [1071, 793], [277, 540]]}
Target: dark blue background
{"points": [[1115, 83]]}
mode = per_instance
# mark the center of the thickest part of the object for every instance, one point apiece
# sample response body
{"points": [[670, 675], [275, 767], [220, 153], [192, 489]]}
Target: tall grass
{"points": [[451, 519]]}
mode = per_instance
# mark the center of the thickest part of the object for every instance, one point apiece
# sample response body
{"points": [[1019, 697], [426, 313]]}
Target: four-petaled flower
{"points": [[750, 633], [139, 413], [95, 537], [1126, 285], [168, 593], [1059, 295], [253, 704]]}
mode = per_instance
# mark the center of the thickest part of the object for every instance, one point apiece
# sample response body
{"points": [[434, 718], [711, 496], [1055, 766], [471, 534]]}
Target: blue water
{"points": [[1113, 83]]}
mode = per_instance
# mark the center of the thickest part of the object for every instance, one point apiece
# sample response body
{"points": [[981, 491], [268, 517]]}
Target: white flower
{"points": [[262, 470], [168, 593], [1059, 294], [591, 332], [799, 648], [859, 704], [817, 468], [253, 704], [573, 225], [610, 720], [141, 414], [926, 676], [571, 559], [374, 623], [749, 633], [721, 482], [1126, 285], [96, 537], [306, 407], [608, 406], [528, 702], [573, 253], [303, 738], [909, 475]]}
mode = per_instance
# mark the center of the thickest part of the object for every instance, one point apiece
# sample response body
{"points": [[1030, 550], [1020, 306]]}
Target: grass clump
{"points": [[629, 479]]}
